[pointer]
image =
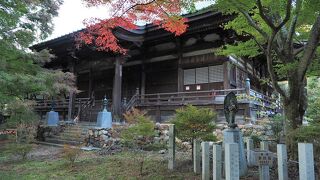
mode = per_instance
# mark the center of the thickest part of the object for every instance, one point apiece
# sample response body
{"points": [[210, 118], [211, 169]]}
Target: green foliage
{"points": [[19, 149], [71, 153], [276, 125], [195, 123], [139, 134], [21, 73], [21, 114], [313, 90], [305, 134]]}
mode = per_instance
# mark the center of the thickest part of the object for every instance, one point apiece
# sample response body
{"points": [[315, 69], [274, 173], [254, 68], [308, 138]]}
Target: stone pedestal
{"points": [[235, 136], [52, 118], [104, 119]]}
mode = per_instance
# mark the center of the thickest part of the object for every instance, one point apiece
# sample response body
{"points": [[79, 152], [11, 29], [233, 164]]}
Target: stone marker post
{"points": [[196, 156], [306, 161], [249, 152], [205, 161], [217, 161], [232, 161], [282, 162], [264, 168], [235, 136], [171, 147]]}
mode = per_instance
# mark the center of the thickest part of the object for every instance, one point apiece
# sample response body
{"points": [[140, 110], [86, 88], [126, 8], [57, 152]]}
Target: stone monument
{"points": [[104, 119], [52, 116], [233, 134]]}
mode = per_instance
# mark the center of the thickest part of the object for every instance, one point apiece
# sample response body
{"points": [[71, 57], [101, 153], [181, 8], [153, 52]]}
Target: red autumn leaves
{"points": [[164, 13]]}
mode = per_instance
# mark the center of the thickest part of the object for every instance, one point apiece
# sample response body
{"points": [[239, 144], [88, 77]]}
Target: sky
{"points": [[73, 12]]}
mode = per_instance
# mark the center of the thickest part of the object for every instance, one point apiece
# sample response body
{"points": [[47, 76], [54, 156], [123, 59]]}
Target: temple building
{"points": [[161, 72]]}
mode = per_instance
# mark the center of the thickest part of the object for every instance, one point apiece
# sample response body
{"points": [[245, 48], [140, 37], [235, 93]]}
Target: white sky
{"points": [[73, 12]]}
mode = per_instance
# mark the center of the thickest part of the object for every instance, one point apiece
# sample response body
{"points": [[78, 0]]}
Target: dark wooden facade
{"points": [[159, 63]]}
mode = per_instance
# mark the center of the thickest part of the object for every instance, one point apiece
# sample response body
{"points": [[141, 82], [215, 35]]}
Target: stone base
{"points": [[52, 118], [104, 120], [235, 136]]}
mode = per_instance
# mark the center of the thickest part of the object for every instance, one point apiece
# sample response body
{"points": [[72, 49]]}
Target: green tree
{"points": [[287, 32], [313, 99], [22, 77], [194, 123]]}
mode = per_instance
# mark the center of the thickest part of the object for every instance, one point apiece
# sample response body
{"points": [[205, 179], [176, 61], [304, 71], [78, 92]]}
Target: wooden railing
{"points": [[199, 98], [183, 98], [57, 103]]}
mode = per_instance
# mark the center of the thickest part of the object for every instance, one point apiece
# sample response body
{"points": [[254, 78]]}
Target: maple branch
{"points": [[297, 51], [137, 4], [270, 66], [269, 21], [310, 48], [252, 22], [256, 41], [263, 16], [294, 22]]}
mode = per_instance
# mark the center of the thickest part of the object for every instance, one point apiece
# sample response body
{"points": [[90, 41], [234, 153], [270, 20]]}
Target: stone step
{"points": [[72, 135], [63, 141], [66, 138], [48, 144]]}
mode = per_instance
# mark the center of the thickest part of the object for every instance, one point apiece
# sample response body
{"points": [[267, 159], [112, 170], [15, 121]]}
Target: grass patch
{"points": [[124, 165]]}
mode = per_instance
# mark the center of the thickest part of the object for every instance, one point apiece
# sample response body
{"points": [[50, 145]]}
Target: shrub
{"points": [[276, 125], [19, 149], [195, 123], [306, 134], [71, 153], [132, 116], [139, 134]]}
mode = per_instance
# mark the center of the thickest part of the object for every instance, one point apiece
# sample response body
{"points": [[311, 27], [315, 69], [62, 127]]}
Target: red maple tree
{"points": [[164, 13]]}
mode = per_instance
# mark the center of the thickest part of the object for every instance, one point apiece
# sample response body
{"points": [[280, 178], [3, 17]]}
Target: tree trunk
{"points": [[295, 105], [291, 110]]}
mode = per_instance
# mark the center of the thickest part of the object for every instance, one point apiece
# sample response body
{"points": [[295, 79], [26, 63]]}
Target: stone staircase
{"points": [[72, 135]]}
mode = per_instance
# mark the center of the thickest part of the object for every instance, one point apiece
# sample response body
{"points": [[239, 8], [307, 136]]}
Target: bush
{"points": [[276, 126], [19, 149], [195, 123], [140, 134], [21, 113], [306, 134], [71, 153]]}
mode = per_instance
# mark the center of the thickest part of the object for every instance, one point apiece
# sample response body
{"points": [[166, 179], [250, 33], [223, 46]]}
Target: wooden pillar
{"points": [[116, 91], [71, 93], [90, 83], [226, 75], [180, 70], [143, 80], [70, 105]]}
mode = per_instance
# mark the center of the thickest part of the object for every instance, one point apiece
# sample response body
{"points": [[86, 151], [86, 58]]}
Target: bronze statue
{"points": [[230, 109]]}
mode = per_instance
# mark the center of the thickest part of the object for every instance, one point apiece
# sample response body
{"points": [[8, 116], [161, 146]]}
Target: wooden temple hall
{"points": [[161, 72]]}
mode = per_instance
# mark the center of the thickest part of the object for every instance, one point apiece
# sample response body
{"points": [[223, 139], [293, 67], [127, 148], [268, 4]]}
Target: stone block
{"points": [[232, 169], [306, 161]]}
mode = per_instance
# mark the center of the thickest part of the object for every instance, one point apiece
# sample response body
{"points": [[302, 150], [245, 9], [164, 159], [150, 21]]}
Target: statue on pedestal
{"points": [[230, 109]]}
